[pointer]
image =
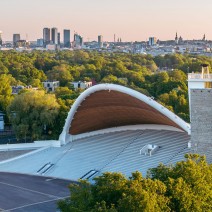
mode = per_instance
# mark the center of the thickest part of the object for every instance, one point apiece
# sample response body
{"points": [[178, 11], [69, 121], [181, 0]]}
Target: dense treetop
{"points": [[140, 72], [33, 113], [186, 186]]}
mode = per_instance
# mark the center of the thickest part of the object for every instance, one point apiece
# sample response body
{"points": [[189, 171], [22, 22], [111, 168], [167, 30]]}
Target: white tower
{"points": [[200, 101], [201, 80]]}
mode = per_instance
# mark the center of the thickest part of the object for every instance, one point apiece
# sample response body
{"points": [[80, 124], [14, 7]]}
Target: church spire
{"points": [[204, 38], [176, 39]]}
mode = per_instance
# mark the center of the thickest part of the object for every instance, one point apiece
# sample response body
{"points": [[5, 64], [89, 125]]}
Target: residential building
{"points": [[51, 47], [46, 36], [22, 43], [152, 41], [18, 88], [50, 86], [40, 42], [78, 40], [81, 85], [16, 38]]}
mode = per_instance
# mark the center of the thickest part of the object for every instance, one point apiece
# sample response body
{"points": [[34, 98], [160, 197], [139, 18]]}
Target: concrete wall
{"points": [[201, 120], [194, 85], [34, 145]]}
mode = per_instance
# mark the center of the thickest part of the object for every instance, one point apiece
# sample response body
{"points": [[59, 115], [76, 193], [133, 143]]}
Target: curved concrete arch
{"points": [[162, 114]]}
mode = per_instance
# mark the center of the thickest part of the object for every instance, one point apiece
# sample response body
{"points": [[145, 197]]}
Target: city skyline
{"points": [[135, 20]]}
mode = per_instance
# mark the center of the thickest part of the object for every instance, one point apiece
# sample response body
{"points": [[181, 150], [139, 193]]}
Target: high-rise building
{"points": [[100, 41], [81, 41], [58, 38], [78, 40], [40, 42], [54, 36], [0, 38], [152, 41], [46, 36], [16, 38], [22, 43], [67, 38]]}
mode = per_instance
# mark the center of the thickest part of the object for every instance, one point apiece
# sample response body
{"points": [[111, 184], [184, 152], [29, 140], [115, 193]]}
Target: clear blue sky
{"points": [[129, 19]]}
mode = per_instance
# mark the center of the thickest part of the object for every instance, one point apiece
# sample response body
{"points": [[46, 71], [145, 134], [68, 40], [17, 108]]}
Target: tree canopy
{"points": [[163, 77], [33, 112], [186, 186]]}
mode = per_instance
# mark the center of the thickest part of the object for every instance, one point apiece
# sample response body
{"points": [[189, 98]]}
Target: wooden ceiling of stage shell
{"points": [[106, 109]]}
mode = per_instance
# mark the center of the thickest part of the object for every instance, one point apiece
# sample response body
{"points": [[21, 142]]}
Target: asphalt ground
{"points": [[19, 192]]}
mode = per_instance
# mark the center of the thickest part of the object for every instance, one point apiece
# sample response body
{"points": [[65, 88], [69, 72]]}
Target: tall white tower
{"points": [[200, 105]]}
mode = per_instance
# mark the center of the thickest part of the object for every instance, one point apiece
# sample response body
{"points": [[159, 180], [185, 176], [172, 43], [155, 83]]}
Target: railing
{"points": [[6, 132], [14, 140], [199, 76]]}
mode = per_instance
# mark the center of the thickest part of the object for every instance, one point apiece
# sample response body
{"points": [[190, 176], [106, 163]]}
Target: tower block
{"points": [[200, 105]]}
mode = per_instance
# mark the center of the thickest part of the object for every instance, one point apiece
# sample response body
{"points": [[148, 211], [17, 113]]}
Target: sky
{"points": [[131, 20]]}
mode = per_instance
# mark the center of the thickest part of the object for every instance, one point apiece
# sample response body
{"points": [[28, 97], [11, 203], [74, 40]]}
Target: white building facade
{"points": [[50, 86], [81, 85]]}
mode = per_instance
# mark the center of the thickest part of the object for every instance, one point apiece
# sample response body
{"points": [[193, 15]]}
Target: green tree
{"points": [[189, 183], [61, 92], [110, 79], [3, 69], [80, 199], [178, 75], [6, 81], [186, 186], [33, 112], [114, 192], [162, 77], [109, 188], [60, 73], [143, 195]]}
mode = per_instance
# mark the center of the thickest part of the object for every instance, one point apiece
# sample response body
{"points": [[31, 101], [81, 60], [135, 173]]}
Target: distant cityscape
{"points": [[52, 41]]}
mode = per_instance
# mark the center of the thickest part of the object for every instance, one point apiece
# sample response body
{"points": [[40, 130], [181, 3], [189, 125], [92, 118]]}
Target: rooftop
{"points": [[117, 151]]}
